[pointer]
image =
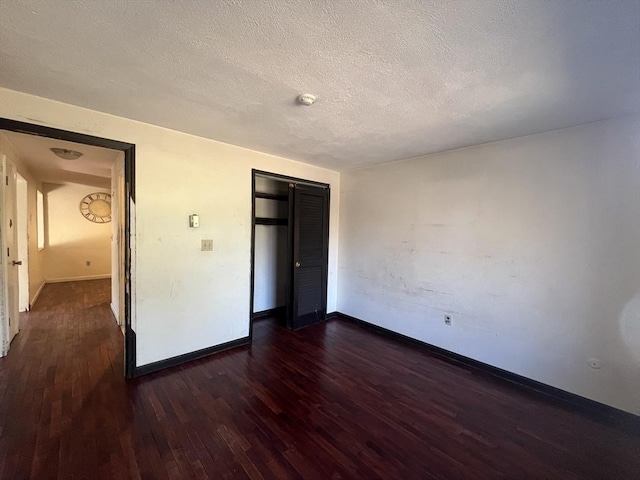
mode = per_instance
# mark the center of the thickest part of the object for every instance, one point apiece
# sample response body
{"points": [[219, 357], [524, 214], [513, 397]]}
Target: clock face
{"points": [[96, 207]]}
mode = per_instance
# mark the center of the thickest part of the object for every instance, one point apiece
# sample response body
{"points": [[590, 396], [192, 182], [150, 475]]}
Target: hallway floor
{"points": [[331, 401]]}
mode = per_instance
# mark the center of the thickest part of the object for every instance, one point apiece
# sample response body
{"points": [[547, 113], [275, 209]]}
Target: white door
{"points": [[22, 199], [10, 244]]}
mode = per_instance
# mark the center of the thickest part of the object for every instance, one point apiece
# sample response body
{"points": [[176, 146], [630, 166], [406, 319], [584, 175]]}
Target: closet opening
{"points": [[289, 250]]}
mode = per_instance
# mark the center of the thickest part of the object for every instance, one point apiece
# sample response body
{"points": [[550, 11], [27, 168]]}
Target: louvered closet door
{"points": [[310, 254]]}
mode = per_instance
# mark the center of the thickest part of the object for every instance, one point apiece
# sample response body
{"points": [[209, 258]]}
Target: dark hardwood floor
{"points": [[332, 401]]}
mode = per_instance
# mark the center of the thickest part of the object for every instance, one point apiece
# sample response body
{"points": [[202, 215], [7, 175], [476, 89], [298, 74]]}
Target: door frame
{"points": [[129, 150], [290, 180]]}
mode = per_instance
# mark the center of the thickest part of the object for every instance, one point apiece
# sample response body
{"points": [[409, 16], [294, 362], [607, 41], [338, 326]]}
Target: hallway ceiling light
{"points": [[67, 154]]}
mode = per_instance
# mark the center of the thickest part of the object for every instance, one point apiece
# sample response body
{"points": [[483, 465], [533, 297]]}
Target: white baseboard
{"points": [[77, 279], [32, 302], [115, 314]]}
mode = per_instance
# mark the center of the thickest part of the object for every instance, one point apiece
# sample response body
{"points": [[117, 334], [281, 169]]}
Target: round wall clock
{"points": [[96, 207]]}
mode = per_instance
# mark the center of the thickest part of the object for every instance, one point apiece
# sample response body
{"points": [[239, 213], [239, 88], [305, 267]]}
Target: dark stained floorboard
{"points": [[331, 401]]}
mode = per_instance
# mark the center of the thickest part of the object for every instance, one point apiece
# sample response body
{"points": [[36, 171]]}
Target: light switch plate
{"points": [[206, 246]]}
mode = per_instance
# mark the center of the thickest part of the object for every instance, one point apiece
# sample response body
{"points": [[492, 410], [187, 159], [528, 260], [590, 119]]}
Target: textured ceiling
{"points": [[93, 168], [394, 79]]}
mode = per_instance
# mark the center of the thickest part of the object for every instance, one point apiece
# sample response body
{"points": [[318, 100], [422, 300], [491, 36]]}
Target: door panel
{"points": [[10, 232], [309, 295], [310, 221], [23, 242]]}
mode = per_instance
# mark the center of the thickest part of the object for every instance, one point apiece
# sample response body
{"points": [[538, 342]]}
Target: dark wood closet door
{"points": [[310, 222]]}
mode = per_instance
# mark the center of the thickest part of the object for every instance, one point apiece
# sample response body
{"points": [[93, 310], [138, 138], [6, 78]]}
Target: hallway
{"points": [[63, 396], [329, 401]]}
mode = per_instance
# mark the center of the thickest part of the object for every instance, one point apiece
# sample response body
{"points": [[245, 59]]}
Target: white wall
{"points": [[185, 299], [270, 267], [71, 239], [532, 245], [36, 257]]}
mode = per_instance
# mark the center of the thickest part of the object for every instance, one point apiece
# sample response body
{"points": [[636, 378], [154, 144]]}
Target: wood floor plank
{"points": [[331, 401]]}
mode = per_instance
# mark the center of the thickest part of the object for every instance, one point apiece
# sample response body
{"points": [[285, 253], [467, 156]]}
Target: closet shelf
{"points": [[271, 221], [272, 196]]}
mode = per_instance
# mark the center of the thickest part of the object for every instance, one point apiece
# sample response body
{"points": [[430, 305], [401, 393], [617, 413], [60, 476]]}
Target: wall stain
{"points": [[37, 121], [423, 289]]}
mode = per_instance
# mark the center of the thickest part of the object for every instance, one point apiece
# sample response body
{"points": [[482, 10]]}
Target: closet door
{"points": [[310, 248]]}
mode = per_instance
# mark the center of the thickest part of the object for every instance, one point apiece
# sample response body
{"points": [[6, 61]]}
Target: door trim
{"points": [[129, 150], [283, 178]]}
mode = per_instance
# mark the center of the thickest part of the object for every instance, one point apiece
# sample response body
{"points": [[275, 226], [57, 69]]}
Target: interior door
{"points": [[22, 211], [310, 247], [10, 240]]}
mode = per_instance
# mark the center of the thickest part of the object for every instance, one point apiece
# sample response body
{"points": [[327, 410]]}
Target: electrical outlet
{"points": [[206, 246], [447, 319]]}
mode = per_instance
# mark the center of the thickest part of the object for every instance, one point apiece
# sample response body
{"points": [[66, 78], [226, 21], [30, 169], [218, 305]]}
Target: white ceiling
{"points": [[93, 168], [394, 79]]}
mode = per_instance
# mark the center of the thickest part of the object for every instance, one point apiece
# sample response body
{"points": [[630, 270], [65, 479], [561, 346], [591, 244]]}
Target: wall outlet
{"points": [[447, 319], [206, 246], [88, 263], [594, 363]]}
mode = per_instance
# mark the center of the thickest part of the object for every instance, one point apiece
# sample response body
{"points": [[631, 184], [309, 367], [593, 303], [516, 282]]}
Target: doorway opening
{"points": [[289, 249], [79, 218]]}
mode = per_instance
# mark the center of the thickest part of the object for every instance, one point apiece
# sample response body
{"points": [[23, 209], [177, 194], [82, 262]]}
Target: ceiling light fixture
{"points": [[66, 153], [306, 99]]}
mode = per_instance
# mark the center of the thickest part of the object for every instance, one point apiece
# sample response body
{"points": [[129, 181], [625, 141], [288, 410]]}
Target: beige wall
{"points": [[185, 299], [71, 239], [532, 245], [36, 258]]}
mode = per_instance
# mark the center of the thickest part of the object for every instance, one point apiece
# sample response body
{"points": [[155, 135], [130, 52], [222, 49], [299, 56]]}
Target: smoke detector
{"points": [[306, 99]]}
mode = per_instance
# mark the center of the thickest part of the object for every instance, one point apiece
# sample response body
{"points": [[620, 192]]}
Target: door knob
{"points": [[297, 264], [16, 263]]}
